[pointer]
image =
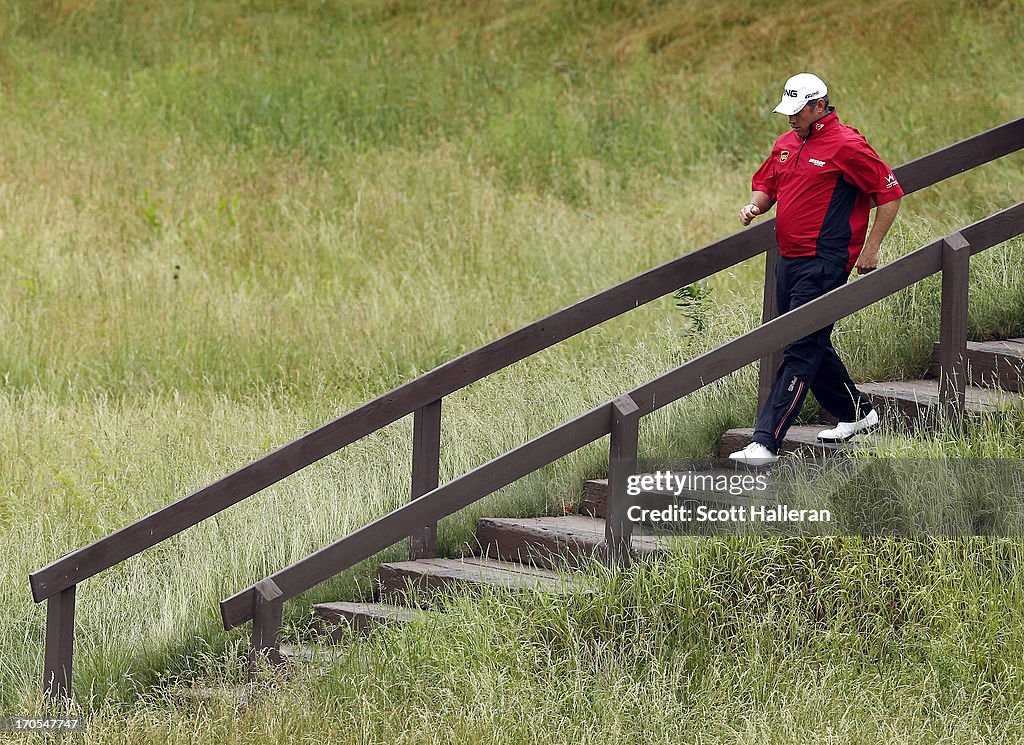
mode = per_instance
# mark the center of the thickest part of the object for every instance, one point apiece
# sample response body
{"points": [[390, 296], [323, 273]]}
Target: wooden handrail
{"points": [[389, 407], [596, 423], [168, 521], [960, 157]]}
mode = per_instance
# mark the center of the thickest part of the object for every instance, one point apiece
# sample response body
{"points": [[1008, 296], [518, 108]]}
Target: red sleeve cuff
{"points": [[889, 195], [764, 188]]}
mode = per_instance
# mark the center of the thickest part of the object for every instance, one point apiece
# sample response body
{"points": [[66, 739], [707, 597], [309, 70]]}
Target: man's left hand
{"points": [[868, 260]]}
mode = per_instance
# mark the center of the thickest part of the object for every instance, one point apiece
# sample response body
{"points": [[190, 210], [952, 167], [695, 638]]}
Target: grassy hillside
{"points": [[224, 223]]}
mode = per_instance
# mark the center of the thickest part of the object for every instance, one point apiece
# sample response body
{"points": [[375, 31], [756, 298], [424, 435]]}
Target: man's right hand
{"points": [[748, 213]]}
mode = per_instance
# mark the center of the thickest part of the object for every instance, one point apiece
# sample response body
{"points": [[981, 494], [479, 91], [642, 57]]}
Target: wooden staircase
{"points": [[995, 373], [261, 603], [514, 554]]}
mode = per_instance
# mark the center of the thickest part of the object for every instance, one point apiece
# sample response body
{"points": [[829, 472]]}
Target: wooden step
{"points": [[595, 495], [991, 363], [362, 617], [552, 542], [292, 653], [801, 439], [433, 576], [913, 400]]}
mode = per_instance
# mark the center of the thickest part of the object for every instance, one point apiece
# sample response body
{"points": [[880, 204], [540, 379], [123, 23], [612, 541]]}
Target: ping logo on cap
{"points": [[790, 93]]}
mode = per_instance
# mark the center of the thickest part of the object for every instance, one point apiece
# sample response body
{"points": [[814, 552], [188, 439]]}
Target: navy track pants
{"points": [[810, 363]]}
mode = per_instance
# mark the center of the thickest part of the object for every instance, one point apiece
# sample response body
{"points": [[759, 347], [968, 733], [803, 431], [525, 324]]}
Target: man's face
{"points": [[802, 120]]}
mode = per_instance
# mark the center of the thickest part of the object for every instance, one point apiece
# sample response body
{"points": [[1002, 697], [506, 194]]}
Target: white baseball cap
{"points": [[798, 90]]}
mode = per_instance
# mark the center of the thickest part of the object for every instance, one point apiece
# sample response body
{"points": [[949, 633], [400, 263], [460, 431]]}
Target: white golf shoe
{"points": [[754, 454], [845, 430]]}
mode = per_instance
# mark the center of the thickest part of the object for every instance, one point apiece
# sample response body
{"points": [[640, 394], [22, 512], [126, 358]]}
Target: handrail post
{"points": [[625, 432], [268, 608], [426, 466], [770, 310], [956, 262], [60, 643]]}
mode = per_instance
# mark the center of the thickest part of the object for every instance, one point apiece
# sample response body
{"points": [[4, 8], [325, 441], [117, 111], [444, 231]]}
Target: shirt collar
{"points": [[824, 124]]}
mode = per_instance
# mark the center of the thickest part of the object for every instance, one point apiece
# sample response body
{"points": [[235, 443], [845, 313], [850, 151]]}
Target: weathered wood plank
{"points": [[426, 464], [362, 617], [914, 400], [553, 542], [268, 606], [428, 577], [994, 229], [60, 644], [990, 363], [956, 265], [967, 154], [1010, 347], [595, 498], [296, 653], [621, 465]]}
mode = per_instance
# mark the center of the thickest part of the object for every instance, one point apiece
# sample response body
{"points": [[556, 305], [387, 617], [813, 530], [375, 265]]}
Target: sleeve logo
{"points": [[783, 155], [890, 181]]}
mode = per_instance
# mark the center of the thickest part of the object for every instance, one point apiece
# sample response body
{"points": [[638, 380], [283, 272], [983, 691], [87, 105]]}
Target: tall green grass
{"points": [[749, 641], [226, 223]]}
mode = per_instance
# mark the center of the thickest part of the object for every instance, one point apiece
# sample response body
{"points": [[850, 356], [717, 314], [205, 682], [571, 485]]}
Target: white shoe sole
{"points": [[833, 440], [755, 461]]}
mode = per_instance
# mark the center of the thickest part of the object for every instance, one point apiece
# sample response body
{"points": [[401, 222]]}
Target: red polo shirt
{"points": [[824, 186]]}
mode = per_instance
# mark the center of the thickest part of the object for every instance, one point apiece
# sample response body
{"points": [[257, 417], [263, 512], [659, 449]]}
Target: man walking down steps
{"points": [[824, 176]]}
